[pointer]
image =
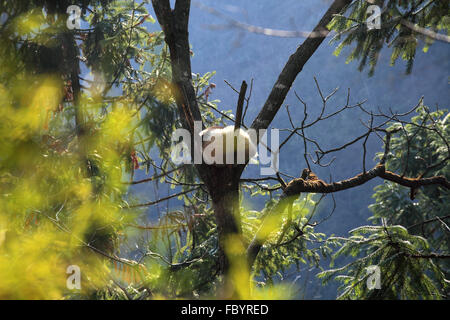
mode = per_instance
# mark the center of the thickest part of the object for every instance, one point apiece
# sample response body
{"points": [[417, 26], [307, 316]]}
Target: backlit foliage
{"points": [[403, 42], [409, 236]]}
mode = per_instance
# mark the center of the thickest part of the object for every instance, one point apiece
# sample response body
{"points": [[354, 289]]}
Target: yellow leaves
{"points": [[26, 195], [117, 124], [33, 261], [47, 96], [38, 96], [271, 222], [30, 269], [273, 292], [29, 22], [163, 91], [83, 190], [34, 265], [239, 271], [37, 27], [3, 233], [5, 97], [48, 205], [241, 279], [274, 220]]}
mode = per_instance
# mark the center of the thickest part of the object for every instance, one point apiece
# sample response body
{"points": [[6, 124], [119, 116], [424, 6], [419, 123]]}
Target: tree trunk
{"points": [[223, 186]]}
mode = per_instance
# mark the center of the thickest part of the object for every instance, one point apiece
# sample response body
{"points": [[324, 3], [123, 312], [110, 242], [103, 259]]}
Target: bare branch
{"points": [[233, 23], [428, 33], [240, 105], [151, 203], [300, 185], [248, 101], [155, 177], [175, 26], [294, 66]]}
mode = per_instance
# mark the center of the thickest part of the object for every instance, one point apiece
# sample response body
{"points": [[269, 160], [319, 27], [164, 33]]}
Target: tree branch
{"points": [[294, 66], [175, 27], [240, 105], [299, 185], [151, 203]]}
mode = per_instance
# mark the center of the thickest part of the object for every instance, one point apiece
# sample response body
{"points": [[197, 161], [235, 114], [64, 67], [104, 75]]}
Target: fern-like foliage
{"points": [[410, 243], [394, 32], [406, 271]]}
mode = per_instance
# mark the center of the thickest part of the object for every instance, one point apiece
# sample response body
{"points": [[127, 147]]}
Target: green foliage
{"points": [[82, 110], [420, 148], [293, 243], [411, 244], [288, 246], [64, 153], [367, 44], [404, 270]]}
